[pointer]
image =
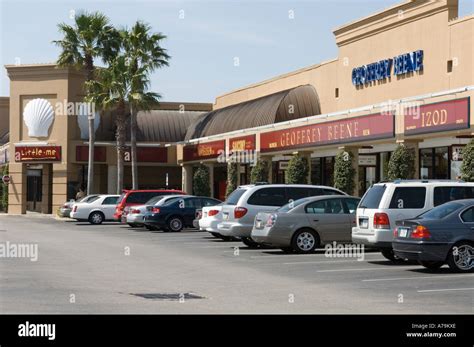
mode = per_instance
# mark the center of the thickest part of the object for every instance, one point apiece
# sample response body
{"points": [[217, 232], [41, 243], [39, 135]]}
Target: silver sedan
{"points": [[305, 224]]}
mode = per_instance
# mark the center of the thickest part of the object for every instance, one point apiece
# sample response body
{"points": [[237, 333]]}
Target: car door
{"points": [[108, 206], [350, 208], [189, 211], [329, 219]]}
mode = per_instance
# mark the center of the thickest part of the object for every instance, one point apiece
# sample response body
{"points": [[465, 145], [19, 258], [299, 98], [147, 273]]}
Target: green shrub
{"points": [[232, 178], [201, 181], [4, 191], [259, 172], [467, 167], [298, 170], [402, 163], [344, 172]]}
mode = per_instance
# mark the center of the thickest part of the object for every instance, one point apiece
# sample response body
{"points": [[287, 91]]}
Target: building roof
{"points": [[282, 106]]}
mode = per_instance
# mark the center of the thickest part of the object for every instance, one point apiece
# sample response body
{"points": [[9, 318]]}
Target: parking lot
{"points": [[113, 268]]}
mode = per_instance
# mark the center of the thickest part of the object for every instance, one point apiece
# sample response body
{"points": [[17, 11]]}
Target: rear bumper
{"points": [[377, 238], [135, 219], [65, 212], [421, 250], [234, 229], [156, 221], [210, 226]]}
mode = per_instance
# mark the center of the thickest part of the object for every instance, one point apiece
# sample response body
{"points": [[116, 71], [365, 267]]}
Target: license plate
{"points": [[259, 224], [364, 223], [225, 216], [403, 232]]}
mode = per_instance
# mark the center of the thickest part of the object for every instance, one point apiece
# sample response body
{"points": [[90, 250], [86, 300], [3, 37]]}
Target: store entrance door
{"points": [[34, 189], [367, 172]]}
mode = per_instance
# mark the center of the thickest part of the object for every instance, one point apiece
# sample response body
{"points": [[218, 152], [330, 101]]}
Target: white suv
{"points": [[241, 207], [387, 202]]}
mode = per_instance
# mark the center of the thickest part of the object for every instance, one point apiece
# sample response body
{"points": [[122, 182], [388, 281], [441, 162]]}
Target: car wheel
{"points": [[96, 218], [432, 265], [249, 242], [304, 241], [390, 255], [175, 224], [461, 257]]}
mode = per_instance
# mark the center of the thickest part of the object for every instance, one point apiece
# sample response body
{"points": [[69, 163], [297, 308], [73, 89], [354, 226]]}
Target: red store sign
{"points": [[441, 116], [370, 127], [37, 153], [206, 150], [82, 153], [244, 143], [148, 155]]}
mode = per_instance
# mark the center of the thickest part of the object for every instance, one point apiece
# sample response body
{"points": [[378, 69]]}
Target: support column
{"points": [[210, 167], [187, 179], [46, 188], [59, 185], [355, 164], [17, 188], [111, 179]]}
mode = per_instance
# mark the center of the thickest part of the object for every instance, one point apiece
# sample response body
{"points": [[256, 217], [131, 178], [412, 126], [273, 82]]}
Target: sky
{"points": [[215, 46]]}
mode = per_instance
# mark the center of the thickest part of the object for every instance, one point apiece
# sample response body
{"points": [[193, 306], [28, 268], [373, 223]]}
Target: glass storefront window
{"points": [[316, 169], [322, 171], [426, 163], [434, 163], [441, 164]]}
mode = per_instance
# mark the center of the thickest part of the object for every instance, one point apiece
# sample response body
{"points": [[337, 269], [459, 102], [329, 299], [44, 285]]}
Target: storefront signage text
{"points": [[244, 143], [441, 116], [37, 153], [375, 126], [206, 150], [402, 64]]}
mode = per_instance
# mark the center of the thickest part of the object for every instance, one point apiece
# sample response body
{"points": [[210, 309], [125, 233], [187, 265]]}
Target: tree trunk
{"points": [[133, 145], [90, 163], [120, 137]]}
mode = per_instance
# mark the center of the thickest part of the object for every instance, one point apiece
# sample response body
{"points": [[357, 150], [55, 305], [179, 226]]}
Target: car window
{"points": [[440, 211], [445, 194], [92, 199], [153, 200], [468, 215], [372, 197], [268, 197], [314, 191], [294, 193], [408, 197], [291, 205], [192, 203], [209, 202], [330, 206], [110, 200], [331, 192], [234, 197], [352, 204]]}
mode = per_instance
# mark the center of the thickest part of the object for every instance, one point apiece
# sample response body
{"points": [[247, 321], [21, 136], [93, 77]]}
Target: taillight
{"points": [[421, 232], [65, 206], [239, 212], [381, 221], [134, 211], [155, 210], [212, 213], [75, 209], [271, 220]]}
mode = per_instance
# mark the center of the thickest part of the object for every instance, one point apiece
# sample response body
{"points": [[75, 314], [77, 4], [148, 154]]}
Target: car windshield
{"points": [[235, 196], [90, 199], [153, 200], [373, 196], [440, 211], [292, 204], [171, 201]]}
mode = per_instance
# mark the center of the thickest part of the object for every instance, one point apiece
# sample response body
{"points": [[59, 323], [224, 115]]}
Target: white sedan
{"points": [[96, 210]]}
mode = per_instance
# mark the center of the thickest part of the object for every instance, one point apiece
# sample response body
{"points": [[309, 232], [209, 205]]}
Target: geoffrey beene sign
{"points": [[380, 70]]}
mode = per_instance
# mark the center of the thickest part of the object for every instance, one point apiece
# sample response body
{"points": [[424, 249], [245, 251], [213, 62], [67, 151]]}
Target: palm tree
{"points": [[119, 88], [144, 55], [91, 37]]}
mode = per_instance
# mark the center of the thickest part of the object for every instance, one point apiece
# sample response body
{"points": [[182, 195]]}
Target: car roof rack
{"points": [[427, 180]]}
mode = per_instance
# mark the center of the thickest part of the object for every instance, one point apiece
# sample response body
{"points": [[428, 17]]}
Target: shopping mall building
{"points": [[403, 75]]}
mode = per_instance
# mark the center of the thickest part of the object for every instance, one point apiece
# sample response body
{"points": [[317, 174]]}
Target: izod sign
{"points": [[37, 153], [370, 127], [207, 150], [244, 143], [441, 116]]}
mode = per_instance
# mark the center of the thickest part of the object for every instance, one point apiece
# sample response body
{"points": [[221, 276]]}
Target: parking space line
{"points": [[443, 290], [333, 261], [372, 269], [303, 255], [414, 278]]}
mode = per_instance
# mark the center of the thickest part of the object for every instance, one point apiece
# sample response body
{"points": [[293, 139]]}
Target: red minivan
{"points": [[139, 197]]}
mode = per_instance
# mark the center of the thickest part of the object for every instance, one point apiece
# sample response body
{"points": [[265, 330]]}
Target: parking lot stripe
{"points": [[333, 261], [404, 267], [414, 278], [443, 290], [302, 255]]}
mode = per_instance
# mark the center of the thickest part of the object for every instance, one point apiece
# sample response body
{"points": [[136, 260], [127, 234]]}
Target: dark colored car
{"points": [[139, 197], [177, 213], [444, 234]]}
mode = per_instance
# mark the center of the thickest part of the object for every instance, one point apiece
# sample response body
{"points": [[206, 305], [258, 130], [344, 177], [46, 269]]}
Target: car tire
{"points": [[96, 218], [175, 224], [461, 257], [390, 255], [249, 242], [305, 241], [432, 265]]}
